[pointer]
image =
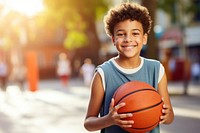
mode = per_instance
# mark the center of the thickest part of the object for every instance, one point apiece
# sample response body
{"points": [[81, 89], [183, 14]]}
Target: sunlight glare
{"points": [[26, 7]]}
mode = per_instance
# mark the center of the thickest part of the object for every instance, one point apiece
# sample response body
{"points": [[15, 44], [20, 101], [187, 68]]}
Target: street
{"points": [[54, 109]]}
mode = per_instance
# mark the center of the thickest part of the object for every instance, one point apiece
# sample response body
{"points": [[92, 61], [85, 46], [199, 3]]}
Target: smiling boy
{"points": [[128, 25]]}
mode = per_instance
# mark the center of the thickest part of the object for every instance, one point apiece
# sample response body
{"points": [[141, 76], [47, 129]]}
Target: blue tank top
{"points": [[114, 78]]}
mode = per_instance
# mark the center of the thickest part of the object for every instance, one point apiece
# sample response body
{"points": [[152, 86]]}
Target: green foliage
{"points": [[74, 16], [176, 7], [75, 39]]}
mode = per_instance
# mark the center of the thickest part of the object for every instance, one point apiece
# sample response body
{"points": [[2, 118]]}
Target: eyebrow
{"points": [[131, 30]]}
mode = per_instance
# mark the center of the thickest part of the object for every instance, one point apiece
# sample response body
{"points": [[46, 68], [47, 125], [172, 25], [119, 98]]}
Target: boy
{"points": [[128, 25]]}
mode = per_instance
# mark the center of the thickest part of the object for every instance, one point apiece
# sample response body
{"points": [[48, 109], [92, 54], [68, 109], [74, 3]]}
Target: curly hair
{"points": [[124, 11]]}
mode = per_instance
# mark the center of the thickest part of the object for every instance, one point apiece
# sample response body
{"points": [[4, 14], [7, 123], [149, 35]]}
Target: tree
{"points": [[78, 18], [152, 49], [178, 10]]}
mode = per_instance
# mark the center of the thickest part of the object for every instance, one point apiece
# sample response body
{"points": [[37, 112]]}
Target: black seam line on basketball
{"points": [[144, 127], [144, 108], [134, 92]]}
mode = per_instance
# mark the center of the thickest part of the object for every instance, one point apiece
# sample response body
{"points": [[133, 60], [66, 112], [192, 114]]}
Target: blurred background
{"points": [[34, 32], [47, 27]]}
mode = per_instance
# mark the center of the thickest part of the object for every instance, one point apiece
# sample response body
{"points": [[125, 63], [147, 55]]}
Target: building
{"points": [[179, 40]]}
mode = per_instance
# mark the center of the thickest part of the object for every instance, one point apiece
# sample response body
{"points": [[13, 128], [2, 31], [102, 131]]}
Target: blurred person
{"points": [[3, 74], [128, 26], [77, 66], [63, 68], [87, 71], [172, 64], [18, 74], [195, 71], [169, 63]]}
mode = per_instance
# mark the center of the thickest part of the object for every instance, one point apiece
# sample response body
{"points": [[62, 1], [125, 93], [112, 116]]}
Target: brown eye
{"points": [[120, 34], [136, 34]]}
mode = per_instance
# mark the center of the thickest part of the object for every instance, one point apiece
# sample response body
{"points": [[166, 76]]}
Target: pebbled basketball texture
{"points": [[143, 101]]}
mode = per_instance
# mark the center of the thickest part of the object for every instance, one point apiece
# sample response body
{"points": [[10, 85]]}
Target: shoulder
{"points": [[154, 62], [151, 62], [156, 65], [105, 68], [106, 65]]}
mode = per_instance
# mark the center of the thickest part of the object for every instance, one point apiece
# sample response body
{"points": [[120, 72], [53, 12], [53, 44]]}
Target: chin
{"points": [[130, 56]]}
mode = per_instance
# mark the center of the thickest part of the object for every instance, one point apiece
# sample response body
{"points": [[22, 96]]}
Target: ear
{"points": [[113, 39], [145, 37]]}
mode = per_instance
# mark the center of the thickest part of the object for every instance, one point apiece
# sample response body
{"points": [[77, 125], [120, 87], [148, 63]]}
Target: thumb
{"points": [[111, 104]]}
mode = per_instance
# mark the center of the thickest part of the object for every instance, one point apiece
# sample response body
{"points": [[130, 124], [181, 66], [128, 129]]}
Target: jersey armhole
{"points": [[161, 72], [101, 72]]}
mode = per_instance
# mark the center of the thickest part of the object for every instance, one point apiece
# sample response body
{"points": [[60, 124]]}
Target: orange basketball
{"points": [[143, 101]]}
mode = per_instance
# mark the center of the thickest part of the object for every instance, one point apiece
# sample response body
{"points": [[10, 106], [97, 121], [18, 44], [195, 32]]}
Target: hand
{"points": [[165, 111], [117, 119]]}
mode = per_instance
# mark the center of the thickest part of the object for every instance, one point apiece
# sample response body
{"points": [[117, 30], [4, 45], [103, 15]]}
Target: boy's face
{"points": [[129, 38]]}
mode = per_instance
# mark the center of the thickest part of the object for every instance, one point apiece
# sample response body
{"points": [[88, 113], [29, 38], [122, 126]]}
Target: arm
{"points": [[92, 121], [168, 114]]}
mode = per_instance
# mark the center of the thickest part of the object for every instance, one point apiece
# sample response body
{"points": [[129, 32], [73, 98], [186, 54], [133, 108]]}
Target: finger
{"points": [[119, 106], [161, 122], [122, 116], [163, 100], [165, 106], [127, 123], [163, 119], [125, 126], [112, 104], [163, 111]]}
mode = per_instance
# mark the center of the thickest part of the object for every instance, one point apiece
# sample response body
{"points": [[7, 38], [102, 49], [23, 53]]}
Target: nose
{"points": [[127, 38]]}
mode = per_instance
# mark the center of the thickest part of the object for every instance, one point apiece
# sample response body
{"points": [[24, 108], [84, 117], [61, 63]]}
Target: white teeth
{"points": [[130, 46]]}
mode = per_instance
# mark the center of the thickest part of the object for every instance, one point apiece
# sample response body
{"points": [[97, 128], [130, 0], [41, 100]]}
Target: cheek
{"points": [[139, 40], [117, 41]]}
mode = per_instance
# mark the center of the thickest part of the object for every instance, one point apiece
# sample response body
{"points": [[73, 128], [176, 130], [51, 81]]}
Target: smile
{"points": [[130, 46]]}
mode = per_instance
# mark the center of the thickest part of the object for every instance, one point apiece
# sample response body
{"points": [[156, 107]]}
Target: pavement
{"points": [[57, 109], [186, 109]]}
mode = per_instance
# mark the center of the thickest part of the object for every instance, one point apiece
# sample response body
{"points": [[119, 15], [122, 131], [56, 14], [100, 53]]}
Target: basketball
{"points": [[143, 101]]}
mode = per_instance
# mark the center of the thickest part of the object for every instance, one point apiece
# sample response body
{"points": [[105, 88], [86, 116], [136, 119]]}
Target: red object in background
{"points": [[182, 71], [179, 71], [32, 70], [173, 33]]}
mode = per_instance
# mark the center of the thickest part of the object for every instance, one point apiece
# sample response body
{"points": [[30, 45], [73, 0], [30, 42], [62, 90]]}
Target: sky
{"points": [[26, 7]]}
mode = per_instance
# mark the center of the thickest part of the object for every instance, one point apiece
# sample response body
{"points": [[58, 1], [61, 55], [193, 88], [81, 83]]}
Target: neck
{"points": [[128, 63]]}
